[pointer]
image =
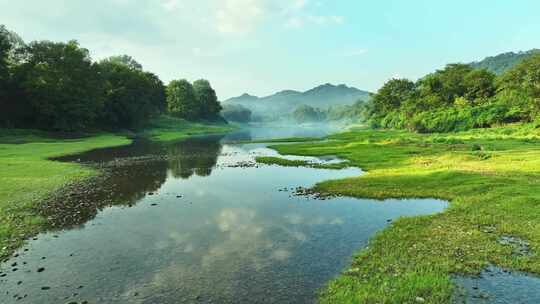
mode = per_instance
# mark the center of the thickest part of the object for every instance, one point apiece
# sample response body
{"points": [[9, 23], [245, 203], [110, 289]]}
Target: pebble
{"points": [[420, 300]]}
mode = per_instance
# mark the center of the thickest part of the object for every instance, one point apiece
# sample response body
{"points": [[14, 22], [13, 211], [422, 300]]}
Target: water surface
{"points": [[197, 222]]}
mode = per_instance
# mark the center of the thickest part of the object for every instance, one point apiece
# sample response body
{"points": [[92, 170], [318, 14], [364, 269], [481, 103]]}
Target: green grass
{"points": [[28, 176], [271, 160], [490, 176], [167, 128]]}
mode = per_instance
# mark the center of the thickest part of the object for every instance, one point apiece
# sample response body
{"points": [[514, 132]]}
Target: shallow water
{"points": [[198, 222], [498, 286]]}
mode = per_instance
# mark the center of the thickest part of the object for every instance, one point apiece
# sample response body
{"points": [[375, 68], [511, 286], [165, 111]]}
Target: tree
{"points": [[62, 84], [392, 94], [444, 86], [306, 113], [125, 60], [132, 96], [520, 86], [236, 113], [207, 99], [479, 85], [5, 47], [181, 100]]}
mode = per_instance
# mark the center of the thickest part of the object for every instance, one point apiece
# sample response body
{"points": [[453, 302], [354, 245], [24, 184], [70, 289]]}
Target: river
{"points": [[197, 221]]}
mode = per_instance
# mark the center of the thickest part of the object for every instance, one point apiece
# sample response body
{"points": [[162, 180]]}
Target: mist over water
{"points": [[198, 221]]}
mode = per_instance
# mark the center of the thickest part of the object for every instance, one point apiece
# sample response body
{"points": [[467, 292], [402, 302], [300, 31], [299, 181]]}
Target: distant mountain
{"points": [[285, 102], [502, 62], [245, 98]]}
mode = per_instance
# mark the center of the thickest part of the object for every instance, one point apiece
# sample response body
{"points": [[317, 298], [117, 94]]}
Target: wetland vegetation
{"points": [[124, 189]]}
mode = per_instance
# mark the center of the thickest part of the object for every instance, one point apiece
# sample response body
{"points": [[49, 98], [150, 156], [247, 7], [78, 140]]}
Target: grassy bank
{"points": [[28, 176], [491, 177], [271, 160], [167, 128]]}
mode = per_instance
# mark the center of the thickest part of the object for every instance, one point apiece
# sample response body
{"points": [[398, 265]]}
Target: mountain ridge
{"points": [[500, 63], [326, 89]]}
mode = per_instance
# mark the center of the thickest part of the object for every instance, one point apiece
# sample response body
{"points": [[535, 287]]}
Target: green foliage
{"points": [[479, 86], [490, 176], [503, 62], [62, 85], [237, 113], [209, 106], [521, 86], [132, 96], [392, 95], [306, 113], [56, 86], [459, 98], [124, 60], [27, 176], [353, 113], [5, 47], [181, 100]]}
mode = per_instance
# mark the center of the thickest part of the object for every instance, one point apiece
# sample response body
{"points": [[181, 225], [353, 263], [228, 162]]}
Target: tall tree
{"points": [[392, 94], [5, 47], [479, 85], [207, 98], [181, 100], [131, 96], [520, 86], [125, 60], [62, 84]]}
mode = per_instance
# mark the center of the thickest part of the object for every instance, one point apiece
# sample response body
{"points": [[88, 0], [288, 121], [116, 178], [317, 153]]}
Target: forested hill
{"points": [[322, 96], [500, 63]]}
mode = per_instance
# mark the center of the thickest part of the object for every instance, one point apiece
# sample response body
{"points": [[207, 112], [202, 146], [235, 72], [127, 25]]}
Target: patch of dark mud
{"points": [[497, 286]]}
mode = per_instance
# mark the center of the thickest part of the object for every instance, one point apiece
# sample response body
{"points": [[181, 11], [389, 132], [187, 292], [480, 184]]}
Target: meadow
{"points": [[491, 178]]}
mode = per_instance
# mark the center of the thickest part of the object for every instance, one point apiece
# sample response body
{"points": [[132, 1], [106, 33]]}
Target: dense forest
{"points": [[56, 86], [459, 97]]}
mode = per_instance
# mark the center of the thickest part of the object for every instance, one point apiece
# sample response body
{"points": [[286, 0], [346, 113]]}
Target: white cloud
{"points": [[240, 16], [245, 16]]}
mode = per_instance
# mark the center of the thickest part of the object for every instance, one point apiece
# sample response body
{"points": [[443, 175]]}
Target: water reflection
{"points": [[200, 230], [131, 172], [194, 156]]}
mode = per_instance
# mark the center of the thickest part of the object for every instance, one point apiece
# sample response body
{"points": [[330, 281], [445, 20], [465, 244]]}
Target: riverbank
{"points": [[167, 128], [27, 175], [490, 176]]}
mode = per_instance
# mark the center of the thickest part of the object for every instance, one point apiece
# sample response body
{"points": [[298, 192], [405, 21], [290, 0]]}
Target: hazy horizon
{"points": [[261, 47]]}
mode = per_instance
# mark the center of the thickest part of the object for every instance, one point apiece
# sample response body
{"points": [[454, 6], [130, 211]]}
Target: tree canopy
{"points": [[459, 97], [57, 86], [192, 101], [62, 85]]}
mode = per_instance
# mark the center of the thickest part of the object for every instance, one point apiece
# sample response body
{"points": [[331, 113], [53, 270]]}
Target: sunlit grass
{"points": [[168, 128], [26, 176], [491, 177]]}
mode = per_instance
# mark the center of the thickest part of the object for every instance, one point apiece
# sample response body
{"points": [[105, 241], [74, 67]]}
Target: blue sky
{"points": [[263, 46]]}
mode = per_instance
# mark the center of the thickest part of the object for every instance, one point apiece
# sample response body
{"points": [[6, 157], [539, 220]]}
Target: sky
{"points": [[264, 46]]}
